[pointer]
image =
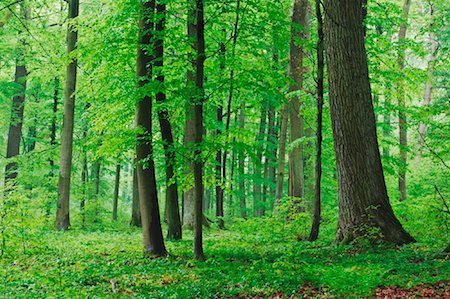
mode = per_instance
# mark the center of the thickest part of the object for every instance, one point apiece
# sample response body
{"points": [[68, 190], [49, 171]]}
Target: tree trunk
{"points": [[189, 133], [173, 211], [116, 193], [429, 84], [282, 152], [220, 181], [299, 28], [148, 194], [314, 233], [135, 209], [62, 215], [17, 108], [387, 117], [258, 207], [272, 141], [241, 165], [198, 132], [363, 200], [403, 130]]}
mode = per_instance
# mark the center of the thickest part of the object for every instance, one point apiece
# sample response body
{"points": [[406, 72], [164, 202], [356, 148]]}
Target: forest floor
{"points": [[251, 259]]}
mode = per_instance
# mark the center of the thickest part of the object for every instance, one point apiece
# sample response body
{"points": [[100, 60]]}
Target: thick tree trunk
{"points": [[62, 214], [148, 194], [17, 108], [173, 211], [198, 133], [135, 208], [403, 130], [314, 233], [116, 193], [363, 200], [299, 28]]}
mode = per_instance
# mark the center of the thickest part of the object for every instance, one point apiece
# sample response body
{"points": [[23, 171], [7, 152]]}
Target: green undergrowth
{"points": [[253, 257]]}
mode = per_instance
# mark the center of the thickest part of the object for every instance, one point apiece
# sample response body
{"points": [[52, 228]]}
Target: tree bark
{"points": [[429, 84], [403, 130], [17, 108], [363, 200], [116, 193], [299, 27], [282, 152], [314, 233], [198, 133], [258, 207], [173, 211], [62, 215], [135, 209], [148, 194], [189, 133], [241, 166]]}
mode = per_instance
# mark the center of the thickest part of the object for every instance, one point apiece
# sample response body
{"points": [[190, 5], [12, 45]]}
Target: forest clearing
{"points": [[225, 149]]}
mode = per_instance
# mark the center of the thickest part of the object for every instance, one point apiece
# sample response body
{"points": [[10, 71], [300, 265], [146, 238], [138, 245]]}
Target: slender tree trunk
{"points": [[148, 194], [97, 173], [198, 133], [173, 211], [62, 215], [299, 28], [135, 209], [241, 165], [258, 208], [189, 133], [282, 152], [387, 117], [52, 173], [220, 181], [84, 182], [218, 168], [403, 130], [116, 193], [230, 100], [30, 143], [429, 84], [18, 104], [363, 200], [314, 234], [272, 141]]}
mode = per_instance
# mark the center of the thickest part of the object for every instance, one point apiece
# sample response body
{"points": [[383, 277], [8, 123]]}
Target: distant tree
{"points": [[363, 199]]}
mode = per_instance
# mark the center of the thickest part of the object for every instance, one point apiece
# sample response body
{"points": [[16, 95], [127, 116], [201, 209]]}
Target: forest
{"points": [[225, 149]]}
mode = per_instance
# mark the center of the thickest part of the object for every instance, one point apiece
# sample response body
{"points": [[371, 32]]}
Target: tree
{"points": [[65, 169], [363, 199], [148, 194], [18, 103], [198, 132], [314, 233], [402, 124], [116, 192], [173, 212], [299, 28]]}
